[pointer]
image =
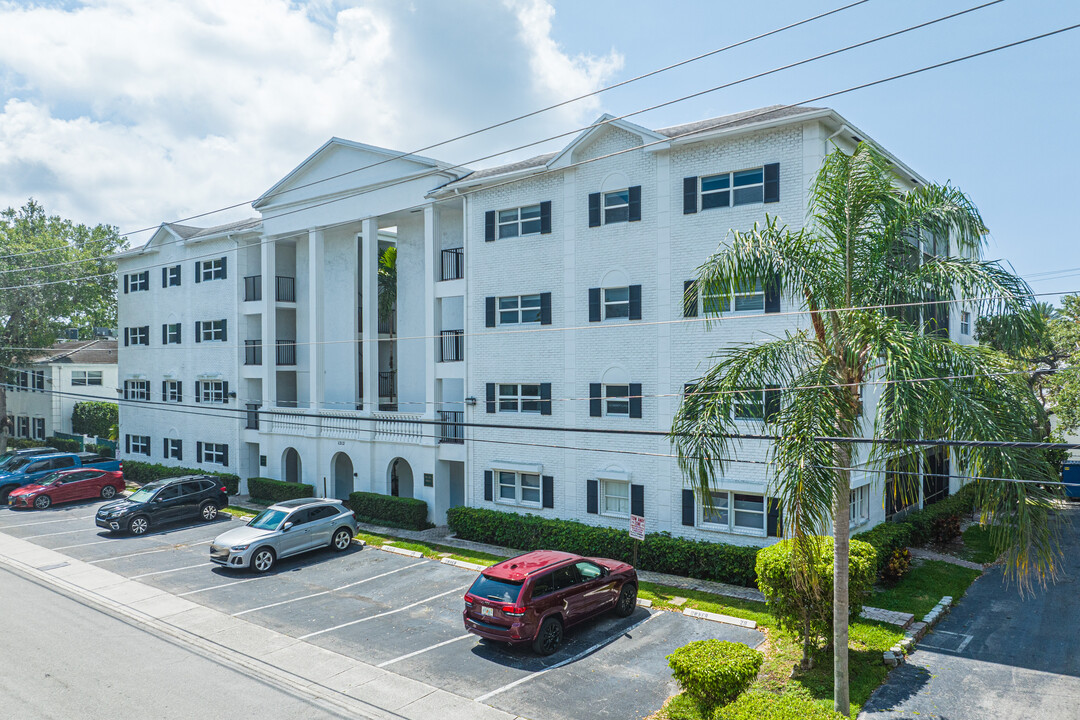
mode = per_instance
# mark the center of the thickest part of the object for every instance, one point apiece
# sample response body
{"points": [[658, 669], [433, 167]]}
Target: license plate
{"points": [[485, 610]]}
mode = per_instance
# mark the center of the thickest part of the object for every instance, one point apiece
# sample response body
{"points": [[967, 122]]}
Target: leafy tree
{"points": [[387, 282], [94, 418], [869, 244], [1063, 387], [53, 276]]}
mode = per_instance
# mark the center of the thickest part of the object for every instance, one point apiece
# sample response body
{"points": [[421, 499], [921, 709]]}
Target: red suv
{"points": [[533, 597]]}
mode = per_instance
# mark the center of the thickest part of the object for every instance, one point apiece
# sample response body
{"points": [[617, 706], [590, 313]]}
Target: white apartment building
{"points": [[536, 303], [42, 395]]}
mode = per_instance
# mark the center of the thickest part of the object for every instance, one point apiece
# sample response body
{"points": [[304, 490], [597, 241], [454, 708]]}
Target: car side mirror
{"points": [[286, 526], [604, 572]]}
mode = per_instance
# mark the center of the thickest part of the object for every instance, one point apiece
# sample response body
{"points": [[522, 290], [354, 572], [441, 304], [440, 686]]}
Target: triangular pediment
{"points": [[604, 124]]}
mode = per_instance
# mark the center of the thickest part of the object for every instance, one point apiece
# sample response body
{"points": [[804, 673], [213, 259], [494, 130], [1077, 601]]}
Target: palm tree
{"points": [[387, 282], [861, 249]]}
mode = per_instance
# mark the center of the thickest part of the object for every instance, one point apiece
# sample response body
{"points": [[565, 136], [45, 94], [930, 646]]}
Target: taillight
{"points": [[468, 600], [225, 490], [513, 610]]}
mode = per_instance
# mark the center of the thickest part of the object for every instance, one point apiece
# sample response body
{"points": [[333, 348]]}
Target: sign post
{"points": [[637, 533]]}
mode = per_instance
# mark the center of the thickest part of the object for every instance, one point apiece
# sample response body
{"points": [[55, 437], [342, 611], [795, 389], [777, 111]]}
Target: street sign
{"points": [[637, 527]]}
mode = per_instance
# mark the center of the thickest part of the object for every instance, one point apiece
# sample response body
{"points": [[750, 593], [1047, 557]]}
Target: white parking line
{"points": [[421, 652], [166, 572], [62, 532], [326, 592], [215, 587], [383, 614], [96, 542], [44, 522], [147, 552], [567, 661]]}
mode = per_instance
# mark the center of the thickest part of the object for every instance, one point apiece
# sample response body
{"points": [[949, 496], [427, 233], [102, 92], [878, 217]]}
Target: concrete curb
{"points": [[401, 551], [897, 653], [717, 617], [463, 564]]}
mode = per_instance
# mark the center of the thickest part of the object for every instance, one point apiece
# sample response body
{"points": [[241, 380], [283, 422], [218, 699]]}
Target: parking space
{"points": [[396, 612]]}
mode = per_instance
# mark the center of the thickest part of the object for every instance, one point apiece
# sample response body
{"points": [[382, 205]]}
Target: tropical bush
{"points": [[896, 566], [764, 705], [714, 672], [94, 418]]}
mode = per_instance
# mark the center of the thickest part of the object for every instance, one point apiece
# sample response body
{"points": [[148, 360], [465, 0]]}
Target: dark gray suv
{"points": [[165, 501]]}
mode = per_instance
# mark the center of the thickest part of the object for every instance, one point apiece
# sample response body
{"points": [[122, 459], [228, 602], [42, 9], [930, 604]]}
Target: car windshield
{"points": [[144, 494], [5, 459], [496, 589], [49, 479], [18, 463], [268, 519]]}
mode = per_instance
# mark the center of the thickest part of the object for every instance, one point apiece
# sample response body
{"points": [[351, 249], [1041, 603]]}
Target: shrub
{"points": [[408, 513], [94, 418], [945, 528], [886, 539], [659, 552], [103, 450], [896, 566], [278, 490], [143, 472], [803, 603], [714, 672], [764, 705], [64, 444]]}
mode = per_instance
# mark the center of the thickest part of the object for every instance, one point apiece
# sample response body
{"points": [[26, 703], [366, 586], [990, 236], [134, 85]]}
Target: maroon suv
{"points": [[531, 598]]}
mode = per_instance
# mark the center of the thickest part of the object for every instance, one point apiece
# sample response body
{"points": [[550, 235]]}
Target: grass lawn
{"points": [[239, 511], [977, 545], [431, 550], [919, 591]]}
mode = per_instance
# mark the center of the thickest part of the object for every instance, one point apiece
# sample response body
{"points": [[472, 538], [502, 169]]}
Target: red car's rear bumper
{"points": [[516, 633]]}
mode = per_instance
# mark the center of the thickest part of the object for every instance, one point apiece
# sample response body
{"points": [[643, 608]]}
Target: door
{"points": [[165, 507], [321, 524], [294, 539], [84, 485], [597, 589], [191, 493], [565, 583], [68, 486], [35, 471]]}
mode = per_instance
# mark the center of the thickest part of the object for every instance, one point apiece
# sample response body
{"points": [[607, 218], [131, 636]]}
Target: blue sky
{"points": [[130, 113]]}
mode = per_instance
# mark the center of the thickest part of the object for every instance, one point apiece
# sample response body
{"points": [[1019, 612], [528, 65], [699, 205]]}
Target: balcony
{"points": [[253, 352], [453, 264], [388, 389], [452, 430], [252, 415], [285, 288], [286, 352], [253, 288], [451, 345], [388, 326]]}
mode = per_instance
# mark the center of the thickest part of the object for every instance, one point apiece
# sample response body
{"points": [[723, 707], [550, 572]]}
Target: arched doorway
{"points": [[343, 476], [293, 468], [400, 478]]}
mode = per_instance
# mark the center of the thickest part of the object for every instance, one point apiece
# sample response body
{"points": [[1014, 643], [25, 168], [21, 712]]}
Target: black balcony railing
{"points": [[388, 384], [253, 352], [388, 326], [452, 430], [286, 352], [252, 416], [451, 345], [286, 289], [253, 288], [453, 264]]}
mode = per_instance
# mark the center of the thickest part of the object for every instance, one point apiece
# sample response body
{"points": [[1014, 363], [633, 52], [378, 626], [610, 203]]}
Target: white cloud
{"points": [[129, 112]]}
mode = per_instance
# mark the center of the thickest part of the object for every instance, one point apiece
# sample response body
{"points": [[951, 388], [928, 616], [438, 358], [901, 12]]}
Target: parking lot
{"points": [[399, 613]]}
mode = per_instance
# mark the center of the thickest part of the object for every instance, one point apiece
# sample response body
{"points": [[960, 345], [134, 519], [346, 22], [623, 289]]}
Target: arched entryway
{"points": [[400, 478], [342, 469], [294, 471]]}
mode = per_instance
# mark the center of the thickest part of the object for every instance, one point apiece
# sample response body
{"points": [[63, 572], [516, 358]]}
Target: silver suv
{"points": [[286, 528]]}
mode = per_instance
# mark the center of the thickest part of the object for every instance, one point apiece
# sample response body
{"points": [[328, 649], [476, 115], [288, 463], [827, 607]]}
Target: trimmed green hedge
{"points": [[714, 672], [764, 705], [407, 513], [104, 450], [63, 444], [277, 490], [659, 552], [94, 418], [143, 472]]}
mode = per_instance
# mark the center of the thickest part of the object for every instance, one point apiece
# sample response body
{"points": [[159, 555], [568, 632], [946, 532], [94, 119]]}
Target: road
{"points": [[65, 659], [997, 656]]}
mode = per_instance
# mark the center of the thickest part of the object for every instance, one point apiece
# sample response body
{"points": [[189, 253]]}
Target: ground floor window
{"points": [[24, 427], [859, 507], [174, 449], [39, 428], [216, 453], [615, 498], [734, 512], [138, 444], [518, 488]]}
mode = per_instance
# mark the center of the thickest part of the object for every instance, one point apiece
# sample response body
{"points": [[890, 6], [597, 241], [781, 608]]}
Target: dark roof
{"points": [[93, 352]]}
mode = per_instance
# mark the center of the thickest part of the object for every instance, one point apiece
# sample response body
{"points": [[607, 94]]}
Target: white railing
{"points": [[394, 427], [399, 427]]}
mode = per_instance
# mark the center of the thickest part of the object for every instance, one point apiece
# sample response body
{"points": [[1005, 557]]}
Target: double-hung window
{"points": [[518, 488], [734, 512], [210, 331], [24, 427], [965, 323], [137, 335], [519, 398], [750, 298], [519, 309], [174, 449], [616, 302], [210, 270], [136, 389], [138, 444], [37, 380], [39, 428], [749, 405], [22, 380], [170, 276], [172, 391], [136, 282], [615, 498], [210, 391], [859, 507], [742, 187], [215, 453], [617, 400], [519, 221], [82, 378], [617, 206], [170, 334]]}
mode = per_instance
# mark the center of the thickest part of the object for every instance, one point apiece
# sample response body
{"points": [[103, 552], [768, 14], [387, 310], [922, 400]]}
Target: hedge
{"points": [[714, 672], [764, 705], [63, 444], [659, 552], [104, 450], [277, 490], [94, 418], [407, 513], [143, 472]]}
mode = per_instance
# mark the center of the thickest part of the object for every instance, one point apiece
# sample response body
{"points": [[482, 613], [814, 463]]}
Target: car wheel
{"points": [[42, 501], [139, 525], [627, 602], [342, 539], [208, 511], [108, 492], [262, 560], [549, 639]]}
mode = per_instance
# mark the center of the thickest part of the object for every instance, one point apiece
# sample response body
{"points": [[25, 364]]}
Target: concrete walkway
{"points": [[924, 554]]}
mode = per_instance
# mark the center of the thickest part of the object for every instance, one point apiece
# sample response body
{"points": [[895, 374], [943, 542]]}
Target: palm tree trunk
{"points": [[3, 421], [841, 533]]}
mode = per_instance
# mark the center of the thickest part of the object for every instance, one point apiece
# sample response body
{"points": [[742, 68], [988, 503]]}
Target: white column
{"points": [[369, 288], [429, 310], [269, 322], [316, 374]]}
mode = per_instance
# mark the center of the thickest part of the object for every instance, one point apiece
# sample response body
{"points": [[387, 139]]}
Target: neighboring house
{"points": [[42, 394], [548, 293]]}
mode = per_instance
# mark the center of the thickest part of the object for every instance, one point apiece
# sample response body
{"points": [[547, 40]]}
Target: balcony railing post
{"points": [[253, 352], [253, 416], [285, 288], [253, 288], [452, 345], [453, 264], [286, 352], [452, 430]]}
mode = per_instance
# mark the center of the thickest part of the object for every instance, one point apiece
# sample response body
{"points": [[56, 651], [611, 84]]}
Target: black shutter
{"points": [[197, 383], [225, 391], [489, 482], [592, 496], [127, 332], [635, 203], [179, 449], [489, 229], [179, 333], [689, 303], [772, 182], [198, 451], [127, 443], [146, 278], [545, 217], [775, 519], [595, 401], [126, 382], [637, 500], [146, 334], [489, 312], [198, 331], [635, 302], [772, 403], [491, 397], [164, 390], [635, 400], [772, 296], [165, 447], [545, 398], [198, 271], [548, 491], [178, 272], [688, 508], [225, 457], [545, 308], [594, 209], [165, 334], [224, 330], [224, 268], [125, 284], [689, 195], [594, 304], [179, 390], [164, 277]]}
